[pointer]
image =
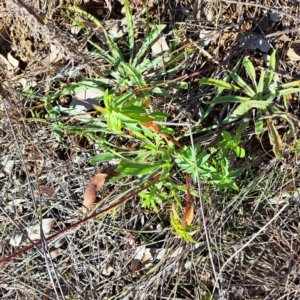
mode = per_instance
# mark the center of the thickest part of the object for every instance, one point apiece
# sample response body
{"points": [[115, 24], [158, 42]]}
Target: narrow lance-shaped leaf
{"points": [[102, 53], [275, 138], [259, 123], [290, 84], [84, 14], [250, 70], [261, 82], [288, 91], [137, 78], [135, 169], [240, 82], [220, 84], [147, 42], [230, 99], [242, 109], [270, 74], [130, 27], [102, 157], [291, 124]]}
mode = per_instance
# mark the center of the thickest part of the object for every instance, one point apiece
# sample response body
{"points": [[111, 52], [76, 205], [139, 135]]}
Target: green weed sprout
{"points": [[260, 95]]}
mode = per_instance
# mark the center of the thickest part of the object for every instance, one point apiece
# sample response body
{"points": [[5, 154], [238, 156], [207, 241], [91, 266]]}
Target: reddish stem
{"points": [[25, 249]]}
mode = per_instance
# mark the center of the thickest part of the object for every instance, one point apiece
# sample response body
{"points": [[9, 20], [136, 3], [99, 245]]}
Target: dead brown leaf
{"points": [[47, 190], [293, 52], [189, 216], [91, 190], [136, 261], [54, 56], [55, 253], [151, 126]]}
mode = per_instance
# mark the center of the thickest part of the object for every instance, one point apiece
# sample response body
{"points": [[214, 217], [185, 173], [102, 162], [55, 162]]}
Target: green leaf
{"points": [[288, 91], [218, 94], [100, 158], [119, 101], [226, 136], [122, 117], [240, 130], [229, 99], [107, 99], [220, 83], [260, 86], [275, 138], [270, 74], [250, 70], [291, 124], [242, 109], [141, 118], [110, 59], [242, 84], [147, 42], [161, 92], [130, 27], [84, 14], [133, 110], [57, 133], [286, 102], [290, 84], [75, 22], [114, 123], [240, 152], [95, 82], [259, 123], [159, 116], [135, 169], [137, 78], [148, 64]]}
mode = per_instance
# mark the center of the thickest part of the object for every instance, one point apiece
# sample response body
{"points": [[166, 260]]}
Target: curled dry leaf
{"points": [[159, 47], [55, 253], [16, 239], [188, 219], [293, 52], [48, 191], [14, 62], [145, 257], [91, 190], [136, 261], [151, 126], [108, 269], [33, 232]]}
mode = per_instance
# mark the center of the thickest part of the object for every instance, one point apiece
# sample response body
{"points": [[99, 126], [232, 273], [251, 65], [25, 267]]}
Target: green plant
{"points": [[232, 143], [123, 112], [128, 71], [216, 172], [182, 225], [261, 94]]}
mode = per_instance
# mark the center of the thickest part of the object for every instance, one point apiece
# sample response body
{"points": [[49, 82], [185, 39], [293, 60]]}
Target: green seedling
{"points": [[129, 72], [260, 94], [229, 143]]}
